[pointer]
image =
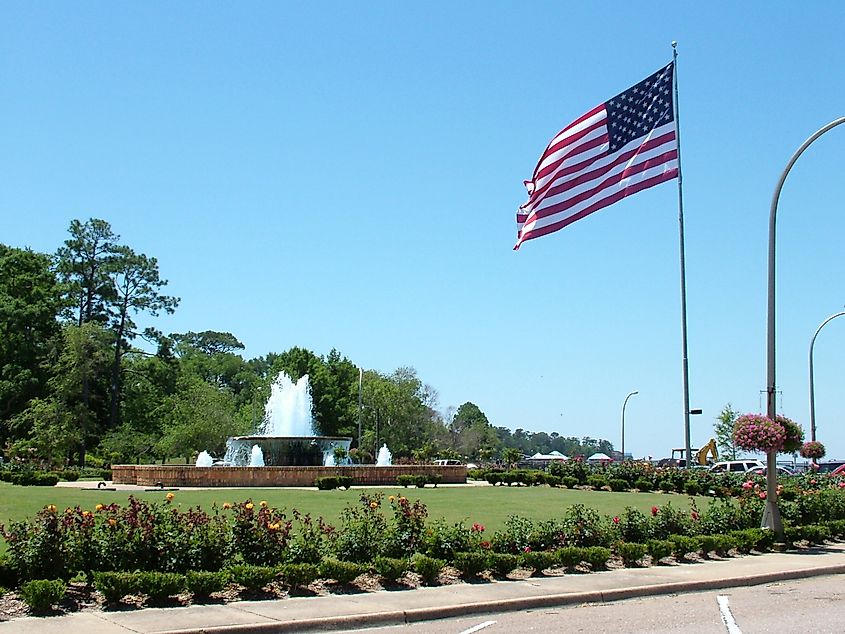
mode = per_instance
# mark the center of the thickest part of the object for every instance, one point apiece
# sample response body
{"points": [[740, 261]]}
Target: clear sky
{"points": [[329, 174]]}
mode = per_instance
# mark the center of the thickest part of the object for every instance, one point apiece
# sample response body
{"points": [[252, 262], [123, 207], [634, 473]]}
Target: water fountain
{"points": [[385, 458], [285, 451], [286, 436]]}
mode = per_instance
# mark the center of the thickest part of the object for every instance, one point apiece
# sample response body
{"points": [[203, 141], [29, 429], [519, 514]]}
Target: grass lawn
{"points": [[489, 506]]}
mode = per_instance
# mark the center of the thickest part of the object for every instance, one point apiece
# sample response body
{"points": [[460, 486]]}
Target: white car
{"points": [[735, 466]]}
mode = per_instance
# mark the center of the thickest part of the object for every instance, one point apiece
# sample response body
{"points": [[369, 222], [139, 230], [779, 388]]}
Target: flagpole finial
{"points": [[674, 44]]}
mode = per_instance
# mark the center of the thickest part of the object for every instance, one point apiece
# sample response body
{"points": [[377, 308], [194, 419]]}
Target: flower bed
{"points": [[159, 550]]}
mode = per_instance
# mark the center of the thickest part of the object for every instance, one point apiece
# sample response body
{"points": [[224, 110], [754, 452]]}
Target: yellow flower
{"points": [[391, 498], [249, 506], [273, 527], [112, 521], [68, 511], [263, 504], [99, 507], [373, 505], [51, 508], [170, 496], [87, 513], [227, 505]]}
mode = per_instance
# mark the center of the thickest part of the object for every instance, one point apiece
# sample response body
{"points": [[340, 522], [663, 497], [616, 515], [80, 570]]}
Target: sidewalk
{"points": [[382, 608]]}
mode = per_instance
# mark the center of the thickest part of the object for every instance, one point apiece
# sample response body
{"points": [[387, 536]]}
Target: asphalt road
{"points": [[807, 605]]}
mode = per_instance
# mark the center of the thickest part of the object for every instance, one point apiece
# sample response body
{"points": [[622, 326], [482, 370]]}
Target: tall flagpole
{"points": [[683, 267]]}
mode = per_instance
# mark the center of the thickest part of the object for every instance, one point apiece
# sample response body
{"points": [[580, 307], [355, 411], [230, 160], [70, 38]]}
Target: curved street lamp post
{"points": [[812, 388], [623, 422], [771, 513]]}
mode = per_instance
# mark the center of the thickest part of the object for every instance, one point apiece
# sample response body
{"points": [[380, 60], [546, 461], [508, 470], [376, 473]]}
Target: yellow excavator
{"points": [[700, 455]]}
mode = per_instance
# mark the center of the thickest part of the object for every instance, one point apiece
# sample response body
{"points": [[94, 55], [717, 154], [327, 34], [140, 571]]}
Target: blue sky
{"points": [[346, 175]]}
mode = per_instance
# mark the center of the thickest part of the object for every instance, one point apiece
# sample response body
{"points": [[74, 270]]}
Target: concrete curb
{"points": [[402, 617]]}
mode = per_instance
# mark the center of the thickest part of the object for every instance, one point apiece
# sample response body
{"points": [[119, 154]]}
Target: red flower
{"points": [[762, 495], [527, 549], [654, 511], [477, 528], [695, 516], [616, 519]]}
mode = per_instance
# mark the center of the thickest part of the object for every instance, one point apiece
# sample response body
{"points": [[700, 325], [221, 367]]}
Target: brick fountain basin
{"points": [[290, 476]]}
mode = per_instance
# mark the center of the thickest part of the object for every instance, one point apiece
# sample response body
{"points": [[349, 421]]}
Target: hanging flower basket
{"points": [[755, 432], [812, 450], [794, 434]]}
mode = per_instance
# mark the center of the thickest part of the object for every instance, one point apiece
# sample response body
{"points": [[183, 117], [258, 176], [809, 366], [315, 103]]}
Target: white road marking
{"points": [[727, 617], [481, 626]]}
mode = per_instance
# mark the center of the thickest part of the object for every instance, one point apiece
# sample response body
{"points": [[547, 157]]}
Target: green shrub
{"points": [[569, 482], [643, 485], [553, 480], [539, 560], [202, 583], [597, 482], [427, 567], [493, 477], [344, 482], [70, 475], [405, 480], [569, 556], [597, 556], [160, 585], [340, 571], [476, 474], [435, 479], [617, 484], [837, 531], [631, 552], [8, 575], [683, 545], [41, 594], [116, 585], [253, 578], [691, 487], [659, 549], [390, 568], [326, 483], [298, 574], [666, 485], [502, 563], [420, 481], [470, 563], [816, 533]]}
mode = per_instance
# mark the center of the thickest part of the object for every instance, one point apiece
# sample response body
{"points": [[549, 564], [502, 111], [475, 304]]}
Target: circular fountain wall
{"points": [[285, 451]]}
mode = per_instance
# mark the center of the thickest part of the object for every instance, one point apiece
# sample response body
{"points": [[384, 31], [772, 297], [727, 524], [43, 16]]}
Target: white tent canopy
{"points": [[599, 457]]}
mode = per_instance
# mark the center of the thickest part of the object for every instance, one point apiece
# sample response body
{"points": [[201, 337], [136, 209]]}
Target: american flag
{"points": [[618, 148]]}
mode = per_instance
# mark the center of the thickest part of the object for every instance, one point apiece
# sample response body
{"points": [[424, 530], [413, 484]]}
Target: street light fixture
{"points": [[623, 422], [812, 389], [771, 513]]}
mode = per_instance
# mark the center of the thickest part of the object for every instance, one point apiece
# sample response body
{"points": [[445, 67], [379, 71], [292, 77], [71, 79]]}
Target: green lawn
{"points": [[489, 506]]}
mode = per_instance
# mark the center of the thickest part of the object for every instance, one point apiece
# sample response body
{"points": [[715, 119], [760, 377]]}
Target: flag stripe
{"points": [[536, 232], [616, 149], [602, 164]]}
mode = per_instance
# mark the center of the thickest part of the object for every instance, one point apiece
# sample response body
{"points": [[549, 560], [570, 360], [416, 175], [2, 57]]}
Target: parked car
{"points": [[840, 470], [830, 466], [735, 466], [782, 471]]}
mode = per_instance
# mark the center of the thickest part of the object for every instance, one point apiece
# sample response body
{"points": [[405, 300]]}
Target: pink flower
{"points": [[477, 528], [842, 484], [616, 519], [527, 549], [654, 511], [747, 485], [695, 516], [762, 495]]}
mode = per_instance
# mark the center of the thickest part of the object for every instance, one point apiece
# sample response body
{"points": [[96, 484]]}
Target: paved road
{"points": [[807, 605]]}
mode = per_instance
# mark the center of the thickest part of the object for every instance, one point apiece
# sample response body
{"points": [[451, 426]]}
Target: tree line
{"points": [[81, 383]]}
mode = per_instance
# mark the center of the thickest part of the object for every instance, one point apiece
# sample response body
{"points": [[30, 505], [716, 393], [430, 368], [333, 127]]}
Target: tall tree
{"points": [[136, 282], [30, 301], [724, 428], [84, 266]]}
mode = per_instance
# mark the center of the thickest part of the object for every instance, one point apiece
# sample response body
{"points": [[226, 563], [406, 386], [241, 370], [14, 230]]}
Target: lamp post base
{"points": [[771, 519]]}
